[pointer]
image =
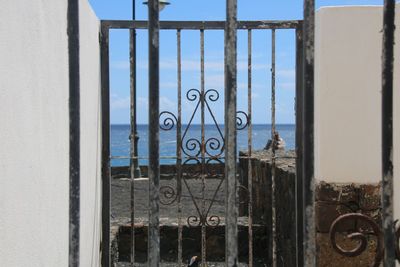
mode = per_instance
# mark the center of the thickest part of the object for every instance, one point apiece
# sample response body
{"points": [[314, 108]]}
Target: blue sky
{"points": [[214, 57]]}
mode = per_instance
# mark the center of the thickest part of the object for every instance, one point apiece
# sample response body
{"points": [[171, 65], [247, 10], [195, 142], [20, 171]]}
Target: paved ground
{"points": [[121, 194]]}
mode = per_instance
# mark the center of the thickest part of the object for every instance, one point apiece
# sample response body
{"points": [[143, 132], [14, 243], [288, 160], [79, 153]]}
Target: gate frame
{"points": [[296, 25]]}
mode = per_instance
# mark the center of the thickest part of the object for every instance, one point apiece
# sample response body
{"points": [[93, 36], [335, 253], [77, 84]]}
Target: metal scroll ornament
{"points": [[361, 236], [201, 154]]}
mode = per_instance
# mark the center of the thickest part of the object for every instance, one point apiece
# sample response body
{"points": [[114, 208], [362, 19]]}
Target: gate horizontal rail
{"points": [[200, 25]]}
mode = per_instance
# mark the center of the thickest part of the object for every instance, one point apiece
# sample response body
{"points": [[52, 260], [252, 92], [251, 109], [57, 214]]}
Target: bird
{"points": [[193, 261]]}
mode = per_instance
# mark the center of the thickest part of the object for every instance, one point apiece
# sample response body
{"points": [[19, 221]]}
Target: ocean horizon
{"points": [[120, 143]]}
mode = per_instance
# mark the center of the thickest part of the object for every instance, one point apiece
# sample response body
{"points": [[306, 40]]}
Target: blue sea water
{"points": [[120, 140]]}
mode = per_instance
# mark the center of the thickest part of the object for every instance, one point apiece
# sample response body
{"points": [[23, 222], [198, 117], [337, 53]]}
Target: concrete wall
{"points": [[90, 136], [348, 98], [34, 161]]}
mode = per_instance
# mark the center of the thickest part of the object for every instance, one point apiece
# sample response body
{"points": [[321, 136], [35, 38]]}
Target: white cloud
{"points": [[286, 73], [118, 102]]}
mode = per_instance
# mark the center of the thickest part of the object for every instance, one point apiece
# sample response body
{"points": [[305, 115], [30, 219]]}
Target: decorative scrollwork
{"points": [[193, 94], [168, 195], [192, 147], [359, 236], [193, 221], [213, 145], [212, 95], [242, 120], [167, 120], [213, 221]]}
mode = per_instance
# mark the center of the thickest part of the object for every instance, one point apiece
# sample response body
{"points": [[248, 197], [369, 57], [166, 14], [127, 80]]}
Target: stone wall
{"points": [[332, 200], [285, 200]]}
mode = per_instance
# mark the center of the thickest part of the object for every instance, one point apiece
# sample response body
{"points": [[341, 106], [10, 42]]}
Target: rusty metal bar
{"points": [[133, 135], [154, 142], [308, 134], [105, 148], [387, 132], [299, 147], [250, 145], [74, 132], [178, 148], [203, 153], [231, 230], [273, 161], [207, 25]]}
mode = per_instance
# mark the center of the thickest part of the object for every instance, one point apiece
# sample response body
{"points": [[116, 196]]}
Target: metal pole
{"points": [[387, 133], [154, 142], [105, 150], [74, 132], [273, 170], [308, 135], [299, 146], [231, 231], [133, 135], [250, 145], [133, 62]]}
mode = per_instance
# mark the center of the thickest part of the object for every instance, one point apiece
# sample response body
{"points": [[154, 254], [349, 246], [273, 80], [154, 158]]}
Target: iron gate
{"points": [[196, 157], [223, 148]]}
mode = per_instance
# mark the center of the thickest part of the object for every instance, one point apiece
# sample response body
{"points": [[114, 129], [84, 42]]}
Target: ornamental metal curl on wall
{"points": [[360, 235], [201, 154]]}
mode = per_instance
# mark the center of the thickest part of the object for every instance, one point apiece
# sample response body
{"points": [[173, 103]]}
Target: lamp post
{"points": [[134, 134], [162, 4]]}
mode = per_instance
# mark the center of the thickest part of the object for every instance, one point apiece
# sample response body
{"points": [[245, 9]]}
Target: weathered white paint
{"points": [[348, 96], [34, 134]]}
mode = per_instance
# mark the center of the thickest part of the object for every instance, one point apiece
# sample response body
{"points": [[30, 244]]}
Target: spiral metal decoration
{"points": [[213, 147], [213, 221], [212, 95], [359, 236], [193, 221], [242, 120], [192, 147], [200, 153], [193, 95], [168, 195], [167, 120]]}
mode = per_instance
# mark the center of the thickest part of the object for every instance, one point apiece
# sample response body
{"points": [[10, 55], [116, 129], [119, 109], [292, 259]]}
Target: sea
{"points": [[120, 144]]}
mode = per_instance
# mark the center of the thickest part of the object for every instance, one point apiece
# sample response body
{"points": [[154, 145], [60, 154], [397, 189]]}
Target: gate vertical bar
{"points": [[178, 148], [231, 231], [250, 145], [74, 132], [308, 134], [387, 132], [105, 150], [299, 147], [273, 131], [154, 157], [133, 134], [203, 154]]}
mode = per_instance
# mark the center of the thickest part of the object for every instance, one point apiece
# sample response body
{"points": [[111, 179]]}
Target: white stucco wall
{"points": [[348, 96], [34, 134], [90, 137]]}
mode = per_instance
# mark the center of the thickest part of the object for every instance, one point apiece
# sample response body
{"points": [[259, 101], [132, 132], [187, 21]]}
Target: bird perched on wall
{"points": [[193, 262]]}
